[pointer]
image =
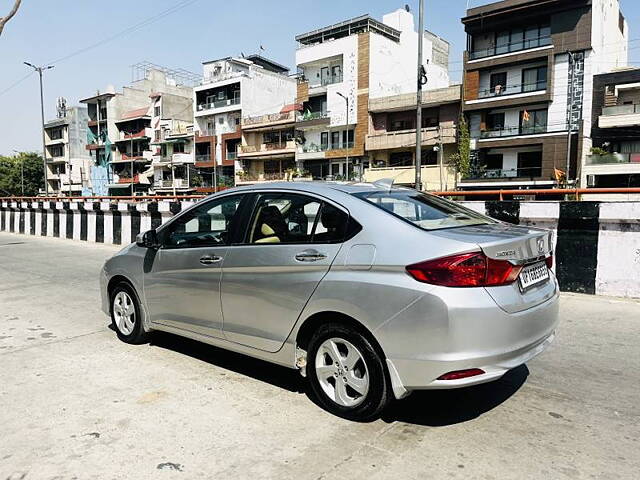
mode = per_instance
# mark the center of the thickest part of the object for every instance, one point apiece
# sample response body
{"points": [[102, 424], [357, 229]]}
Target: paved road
{"points": [[77, 403]]}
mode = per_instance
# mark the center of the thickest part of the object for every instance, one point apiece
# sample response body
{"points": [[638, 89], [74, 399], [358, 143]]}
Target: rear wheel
{"points": [[126, 315], [346, 373]]}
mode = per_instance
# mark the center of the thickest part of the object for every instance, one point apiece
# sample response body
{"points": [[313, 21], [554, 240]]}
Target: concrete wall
{"points": [[597, 244]]}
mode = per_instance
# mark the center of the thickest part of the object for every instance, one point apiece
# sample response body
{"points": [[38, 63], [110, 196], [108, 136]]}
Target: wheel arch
{"points": [[119, 278]]}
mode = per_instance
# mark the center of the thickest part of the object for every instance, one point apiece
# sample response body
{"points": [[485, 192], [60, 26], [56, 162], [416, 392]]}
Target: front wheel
{"points": [[126, 315], [346, 374]]}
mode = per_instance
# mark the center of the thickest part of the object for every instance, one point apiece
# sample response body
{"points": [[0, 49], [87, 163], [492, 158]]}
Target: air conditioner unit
{"points": [[591, 180]]}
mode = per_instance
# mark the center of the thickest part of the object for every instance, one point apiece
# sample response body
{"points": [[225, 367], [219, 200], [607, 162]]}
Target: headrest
{"points": [[331, 218]]}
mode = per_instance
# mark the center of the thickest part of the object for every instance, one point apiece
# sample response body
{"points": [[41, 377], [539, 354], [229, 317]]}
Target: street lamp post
{"points": [[44, 151], [422, 79], [346, 99]]}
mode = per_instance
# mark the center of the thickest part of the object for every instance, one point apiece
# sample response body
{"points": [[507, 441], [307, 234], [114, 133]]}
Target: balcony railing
{"points": [[529, 172], [513, 131], [502, 90], [613, 158], [621, 110], [323, 147], [178, 183], [511, 47], [306, 116], [203, 158], [232, 155], [218, 104], [270, 118], [267, 147]]}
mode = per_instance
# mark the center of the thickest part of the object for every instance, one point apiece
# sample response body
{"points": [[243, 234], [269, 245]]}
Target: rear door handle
{"points": [[210, 259], [310, 256]]}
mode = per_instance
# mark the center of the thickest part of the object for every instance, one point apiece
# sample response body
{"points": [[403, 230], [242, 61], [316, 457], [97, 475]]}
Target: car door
{"points": [[182, 288], [290, 242]]}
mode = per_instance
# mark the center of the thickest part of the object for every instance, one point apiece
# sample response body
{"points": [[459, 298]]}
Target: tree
{"points": [[12, 170], [14, 10], [461, 160]]}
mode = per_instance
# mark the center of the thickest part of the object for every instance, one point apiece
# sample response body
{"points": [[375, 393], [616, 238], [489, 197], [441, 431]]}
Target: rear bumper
{"points": [[474, 334]]}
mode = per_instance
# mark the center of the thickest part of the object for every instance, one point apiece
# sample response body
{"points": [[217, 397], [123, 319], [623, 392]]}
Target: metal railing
{"points": [[613, 158], [513, 131], [232, 155], [323, 147], [269, 118], [512, 89], [524, 44], [204, 158], [529, 172], [621, 109], [218, 104]]}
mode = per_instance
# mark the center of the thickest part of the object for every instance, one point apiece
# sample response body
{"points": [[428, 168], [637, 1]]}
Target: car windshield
{"points": [[424, 211]]}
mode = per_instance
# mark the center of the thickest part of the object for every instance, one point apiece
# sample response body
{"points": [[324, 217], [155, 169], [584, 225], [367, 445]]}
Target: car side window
{"points": [[207, 225], [287, 218]]}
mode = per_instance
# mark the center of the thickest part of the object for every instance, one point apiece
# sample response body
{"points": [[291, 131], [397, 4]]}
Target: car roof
{"points": [[319, 187]]}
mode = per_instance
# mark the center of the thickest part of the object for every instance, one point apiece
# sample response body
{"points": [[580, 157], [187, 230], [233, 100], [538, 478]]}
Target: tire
{"points": [[365, 390], [126, 315]]}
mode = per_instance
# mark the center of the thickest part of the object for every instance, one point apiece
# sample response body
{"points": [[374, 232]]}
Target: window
{"points": [[157, 135], [429, 157], [493, 161], [207, 225], [286, 218], [424, 211], [534, 79], [534, 121], [347, 139], [495, 121], [221, 120], [56, 150], [430, 117], [324, 140], [502, 42], [55, 133], [498, 83], [401, 159], [335, 140], [529, 164], [237, 121], [156, 111], [178, 147]]}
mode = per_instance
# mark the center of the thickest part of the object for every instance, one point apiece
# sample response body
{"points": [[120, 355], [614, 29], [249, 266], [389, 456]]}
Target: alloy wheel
{"points": [[124, 312]]}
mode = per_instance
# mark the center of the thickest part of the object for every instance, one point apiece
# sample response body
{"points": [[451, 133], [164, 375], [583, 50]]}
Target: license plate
{"points": [[533, 275]]}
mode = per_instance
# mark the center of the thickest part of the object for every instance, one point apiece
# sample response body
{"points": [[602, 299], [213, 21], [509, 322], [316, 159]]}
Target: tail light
{"points": [[458, 374], [549, 261], [465, 270]]}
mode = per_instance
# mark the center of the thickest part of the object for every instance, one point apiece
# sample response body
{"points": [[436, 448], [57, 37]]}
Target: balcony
{"points": [[404, 138], [529, 172], [310, 119], [228, 102], [613, 159], [511, 47], [205, 161], [268, 120], [142, 134], [249, 178], [513, 131], [512, 89], [135, 179], [182, 158], [168, 184], [266, 149], [620, 116]]}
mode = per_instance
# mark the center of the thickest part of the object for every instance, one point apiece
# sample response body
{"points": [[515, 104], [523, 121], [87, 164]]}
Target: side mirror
{"points": [[148, 239]]}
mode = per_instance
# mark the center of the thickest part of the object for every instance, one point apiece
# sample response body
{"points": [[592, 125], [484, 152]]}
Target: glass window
{"points": [[502, 42], [495, 121], [335, 139], [332, 226], [534, 79], [498, 83], [534, 121], [209, 224], [424, 211], [531, 35], [284, 218], [517, 40], [324, 140]]}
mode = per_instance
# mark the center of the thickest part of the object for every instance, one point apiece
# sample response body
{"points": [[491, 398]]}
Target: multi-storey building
{"points": [[66, 156], [233, 88], [341, 67], [615, 158], [528, 73], [391, 141], [173, 162], [122, 126]]}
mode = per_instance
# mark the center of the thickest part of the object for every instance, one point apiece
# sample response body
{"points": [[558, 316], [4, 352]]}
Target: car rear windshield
{"points": [[424, 211]]}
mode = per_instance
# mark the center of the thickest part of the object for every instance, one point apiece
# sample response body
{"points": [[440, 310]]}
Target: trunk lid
{"points": [[517, 244]]}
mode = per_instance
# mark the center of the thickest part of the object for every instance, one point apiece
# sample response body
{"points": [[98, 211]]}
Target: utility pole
{"points": [[44, 150], [422, 79], [346, 99], [21, 170], [131, 165], [571, 65]]}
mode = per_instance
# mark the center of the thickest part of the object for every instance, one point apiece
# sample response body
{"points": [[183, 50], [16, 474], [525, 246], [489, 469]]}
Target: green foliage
{"points": [[461, 160], [11, 174], [598, 151]]}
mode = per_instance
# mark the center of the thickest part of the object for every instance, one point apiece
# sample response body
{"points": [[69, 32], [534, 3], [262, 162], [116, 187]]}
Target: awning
{"points": [[118, 185], [292, 107]]}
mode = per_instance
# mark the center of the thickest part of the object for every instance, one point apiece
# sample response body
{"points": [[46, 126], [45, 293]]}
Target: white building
{"points": [[233, 88], [344, 65]]}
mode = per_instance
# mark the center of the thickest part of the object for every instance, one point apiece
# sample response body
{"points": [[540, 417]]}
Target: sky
{"points": [[175, 34]]}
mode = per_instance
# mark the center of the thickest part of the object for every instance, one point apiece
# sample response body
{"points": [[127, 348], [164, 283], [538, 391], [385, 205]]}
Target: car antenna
{"points": [[384, 183]]}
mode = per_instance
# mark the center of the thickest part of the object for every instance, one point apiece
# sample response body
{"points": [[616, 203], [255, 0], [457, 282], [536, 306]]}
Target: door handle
{"points": [[310, 256], [210, 259]]}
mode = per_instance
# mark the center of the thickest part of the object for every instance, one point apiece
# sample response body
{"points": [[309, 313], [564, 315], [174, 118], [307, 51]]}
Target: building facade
{"points": [[233, 88], [528, 78], [615, 157], [340, 68], [67, 159]]}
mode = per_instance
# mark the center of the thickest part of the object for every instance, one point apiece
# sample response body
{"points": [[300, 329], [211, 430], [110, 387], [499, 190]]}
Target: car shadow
{"points": [[267, 372], [438, 408], [434, 408]]}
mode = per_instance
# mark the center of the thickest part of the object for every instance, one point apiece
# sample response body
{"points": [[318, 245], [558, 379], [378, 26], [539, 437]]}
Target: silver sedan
{"points": [[369, 291]]}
